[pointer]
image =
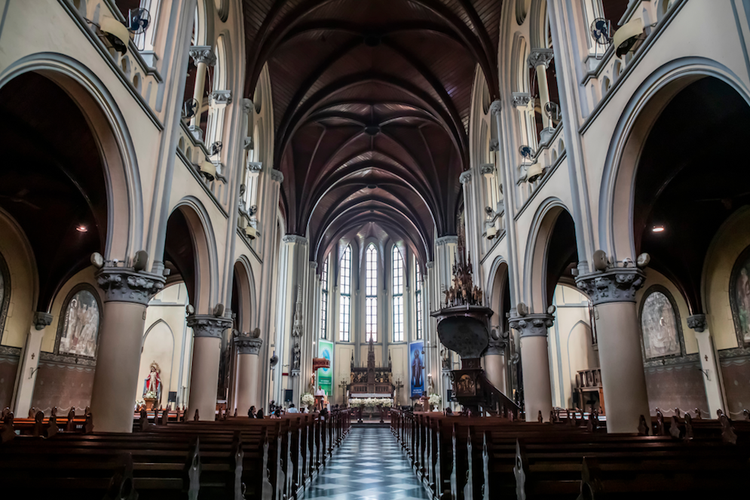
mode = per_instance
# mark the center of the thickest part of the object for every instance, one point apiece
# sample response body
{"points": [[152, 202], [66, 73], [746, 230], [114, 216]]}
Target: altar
{"points": [[370, 382]]}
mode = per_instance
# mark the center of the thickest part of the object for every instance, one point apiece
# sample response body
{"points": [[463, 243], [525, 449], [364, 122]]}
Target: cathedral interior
{"points": [[375, 212]]}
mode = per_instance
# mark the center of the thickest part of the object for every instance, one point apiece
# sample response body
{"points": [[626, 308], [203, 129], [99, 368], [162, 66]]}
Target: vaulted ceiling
{"points": [[371, 106]]}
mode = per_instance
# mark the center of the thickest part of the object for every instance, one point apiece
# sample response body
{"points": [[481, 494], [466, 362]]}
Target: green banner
{"points": [[325, 375]]}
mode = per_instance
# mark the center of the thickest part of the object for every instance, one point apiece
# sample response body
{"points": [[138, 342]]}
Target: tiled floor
{"points": [[369, 465]]}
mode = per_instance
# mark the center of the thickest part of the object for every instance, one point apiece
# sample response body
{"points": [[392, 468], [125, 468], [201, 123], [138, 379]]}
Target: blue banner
{"points": [[416, 369]]}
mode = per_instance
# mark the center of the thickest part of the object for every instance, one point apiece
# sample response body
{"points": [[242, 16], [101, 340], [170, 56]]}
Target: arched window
{"points": [[78, 330], [371, 294], [660, 324], [345, 295], [418, 298], [398, 295], [4, 293], [324, 300]]}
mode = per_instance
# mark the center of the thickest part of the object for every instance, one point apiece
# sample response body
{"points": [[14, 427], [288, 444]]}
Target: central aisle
{"points": [[369, 465]]}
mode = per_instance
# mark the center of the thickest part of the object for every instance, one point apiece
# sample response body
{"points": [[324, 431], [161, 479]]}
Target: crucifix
{"points": [[398, 384]]}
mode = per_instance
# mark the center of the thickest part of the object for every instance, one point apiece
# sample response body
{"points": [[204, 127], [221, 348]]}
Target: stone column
{"points": [[127, 293], [539, 59], [204, 374], [495, 364], [29, 363], [537, 388], [613, 295], [202, 57], [248, 370], [712, 378], [473, 218]]}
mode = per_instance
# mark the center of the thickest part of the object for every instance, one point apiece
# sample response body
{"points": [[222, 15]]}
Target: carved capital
{"points": [[430, 265], [248, 143], [221, 97], [247, 106], [313, 265], [202, 54], [207, 325], [255, 166], [277, 176], [496, 107], [446, 240], [697, 322], [532, 325], [614, 285], [465, 177], [124, 284], [521, 99], [294, 238], [247, 344], [488, 169], [494, 145], [540, 57], [497, 346], [42, 320]]}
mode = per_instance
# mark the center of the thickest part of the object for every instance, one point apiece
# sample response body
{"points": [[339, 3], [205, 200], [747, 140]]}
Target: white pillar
{"points": [[537, 388], [495, 364], [539, 59], [248, 371], [202, 57], [712, 378], [204, 375], [127, 293], [26, 378], [613, 295]]}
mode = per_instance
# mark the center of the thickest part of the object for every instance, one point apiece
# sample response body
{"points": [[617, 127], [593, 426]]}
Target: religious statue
{"points": [[152, 384], [296, 357]]}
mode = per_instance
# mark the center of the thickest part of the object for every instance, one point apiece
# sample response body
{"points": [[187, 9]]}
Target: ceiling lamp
{"points": [[657, 229], [81, 228]]}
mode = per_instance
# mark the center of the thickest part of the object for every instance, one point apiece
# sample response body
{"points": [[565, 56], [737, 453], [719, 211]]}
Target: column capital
{"points": [[497, 346], [488, 169], [202, 54], [496, 107], [465, 177], [614, 285], [521, 99], [313, 265], [532, 325], [221, 97], [294, 238], [247, 106], [247, 344], [447, 240], [277, 176], [208, 325], [540, 57], [42, 320], [125, 284], [430, 265], [697, 322]]}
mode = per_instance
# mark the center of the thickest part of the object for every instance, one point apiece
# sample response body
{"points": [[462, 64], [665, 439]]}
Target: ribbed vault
{"points": [[371, 104]]}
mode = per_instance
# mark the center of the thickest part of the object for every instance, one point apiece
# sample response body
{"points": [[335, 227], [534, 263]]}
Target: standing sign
{"points": [[325, 375], [416, 369]]}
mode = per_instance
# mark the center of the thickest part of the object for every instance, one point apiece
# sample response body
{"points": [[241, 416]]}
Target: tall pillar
{"points": [[495, 364], [202, 57], [712, 378], [613, 295], [539, 60], [473, 218], [204, 374], [248, 370], [537, 388], [127, 293], [29, 363]]}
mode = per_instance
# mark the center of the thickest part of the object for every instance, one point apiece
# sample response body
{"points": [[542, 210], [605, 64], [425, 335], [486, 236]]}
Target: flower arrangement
{"points": [[150, 395], [434, 400], [308, 399], [370, 402]]}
